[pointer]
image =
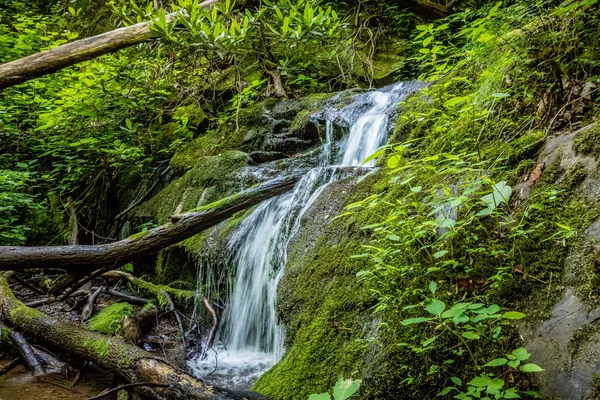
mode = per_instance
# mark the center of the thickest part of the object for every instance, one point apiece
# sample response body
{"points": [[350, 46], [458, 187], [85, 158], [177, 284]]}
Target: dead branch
{"points": [[10, 365], [215, 327], [88, 309], [177, 318], [27, 353]]}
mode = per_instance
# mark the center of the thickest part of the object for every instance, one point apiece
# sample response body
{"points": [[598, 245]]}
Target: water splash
{"points": [[252, 338]]}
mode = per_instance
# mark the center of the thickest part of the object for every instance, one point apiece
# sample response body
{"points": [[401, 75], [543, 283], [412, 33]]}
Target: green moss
{"points": [[325, 308], [192, 113], [138, 235], [100, 347], [587, 142], [108, 320], [159, 290]]}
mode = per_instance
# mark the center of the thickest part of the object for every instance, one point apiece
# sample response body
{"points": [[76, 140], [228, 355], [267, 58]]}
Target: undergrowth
{"points": [[460, 246]]}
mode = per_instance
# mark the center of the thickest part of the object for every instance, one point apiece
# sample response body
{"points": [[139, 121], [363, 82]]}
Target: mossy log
{"points": [[55, 59], [129, 362], [86, 257]]}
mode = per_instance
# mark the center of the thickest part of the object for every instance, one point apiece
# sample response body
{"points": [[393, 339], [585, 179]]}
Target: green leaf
{"points": [[411, 321], [446, 391], [513, 315], [321, 396], [495, 385], [498, 95], [428, 341], [521, 354], [480, 381], [432, 287], [470, 335], [375, 155], [454, 101], [460, 319], [435, 307], [344, 389], [456, 381], [501, 193], [440, 253], [511, 394], [496, 362], [393, 161], [531, 368]]}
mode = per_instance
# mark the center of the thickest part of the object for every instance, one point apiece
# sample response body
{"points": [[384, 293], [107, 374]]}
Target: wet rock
{"points": [[567, 345], [260, 157]]}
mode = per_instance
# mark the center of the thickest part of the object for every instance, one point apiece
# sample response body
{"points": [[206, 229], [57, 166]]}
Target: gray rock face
{"points": [[560, 149], [567, 344], [568, 347]]}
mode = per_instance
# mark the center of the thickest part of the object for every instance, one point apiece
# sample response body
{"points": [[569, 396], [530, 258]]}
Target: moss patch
{"points": [[587, 141], [108, 320], [325, 308]]}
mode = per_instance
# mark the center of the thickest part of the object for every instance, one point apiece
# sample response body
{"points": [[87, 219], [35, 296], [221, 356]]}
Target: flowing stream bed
{"points": [[251, 339]]}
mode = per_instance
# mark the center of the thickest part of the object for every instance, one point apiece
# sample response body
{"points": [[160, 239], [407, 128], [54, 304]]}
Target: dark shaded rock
{"points": [[260, 157]]}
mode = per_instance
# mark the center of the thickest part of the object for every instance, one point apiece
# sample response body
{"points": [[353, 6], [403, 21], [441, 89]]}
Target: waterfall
{"points": [[252, 339]]}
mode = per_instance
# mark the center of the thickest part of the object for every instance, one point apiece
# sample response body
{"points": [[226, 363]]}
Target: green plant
{"points": [[343, 389], [447, 222], [292, 38], [473, 324]]}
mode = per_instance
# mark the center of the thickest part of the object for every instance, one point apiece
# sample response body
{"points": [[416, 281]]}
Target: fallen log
{"points": [[129, 362], [85, 257], [10, 365], [25, 349], [52, 60], [158, 291]]}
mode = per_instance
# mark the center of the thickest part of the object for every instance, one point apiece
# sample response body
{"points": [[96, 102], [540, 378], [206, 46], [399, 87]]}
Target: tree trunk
{"points": [[52, 60], [85, 257], [277, 83], [131, 363]]}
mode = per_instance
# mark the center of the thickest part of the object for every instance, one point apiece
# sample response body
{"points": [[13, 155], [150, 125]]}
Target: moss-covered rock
{"points": [[587, 141], [268, 125], [205, 182], [325, 309], [192, 113]]}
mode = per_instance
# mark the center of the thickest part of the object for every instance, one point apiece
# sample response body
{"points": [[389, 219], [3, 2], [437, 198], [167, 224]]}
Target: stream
{"points": [[251, 338]]}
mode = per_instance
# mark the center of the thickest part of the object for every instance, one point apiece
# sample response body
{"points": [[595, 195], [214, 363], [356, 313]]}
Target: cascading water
{"points": [[251, 340]]}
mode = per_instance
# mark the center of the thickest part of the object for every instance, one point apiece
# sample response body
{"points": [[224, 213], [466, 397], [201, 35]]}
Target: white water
{"points": [[252, 339]]}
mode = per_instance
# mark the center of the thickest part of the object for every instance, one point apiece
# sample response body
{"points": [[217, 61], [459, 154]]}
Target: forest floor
{"points": [[19, 383]]}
